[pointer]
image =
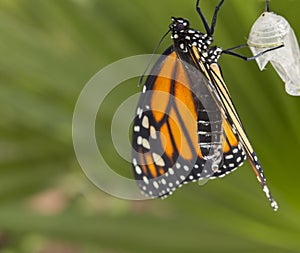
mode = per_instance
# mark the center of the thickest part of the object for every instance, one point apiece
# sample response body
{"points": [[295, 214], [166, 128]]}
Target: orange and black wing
{"points": [[179, 134]]}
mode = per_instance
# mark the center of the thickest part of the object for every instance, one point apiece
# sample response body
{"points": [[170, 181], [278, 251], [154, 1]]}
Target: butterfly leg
{"points": [[209, 30], [214, 19], [267, 6], [204, 21], [230, 52]]}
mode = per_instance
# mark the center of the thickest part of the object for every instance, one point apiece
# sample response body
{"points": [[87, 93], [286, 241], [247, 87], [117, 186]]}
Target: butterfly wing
{"points": [[167, 128]]}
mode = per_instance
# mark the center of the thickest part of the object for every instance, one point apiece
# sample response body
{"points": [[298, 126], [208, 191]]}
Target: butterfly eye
{"points": [[179, 24], [180, 27]]}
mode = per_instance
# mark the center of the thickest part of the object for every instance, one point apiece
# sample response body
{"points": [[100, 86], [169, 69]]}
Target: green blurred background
{"points": [[49, 49]]}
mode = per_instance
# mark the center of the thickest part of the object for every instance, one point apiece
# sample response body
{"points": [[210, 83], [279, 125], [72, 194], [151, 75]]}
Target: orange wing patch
{"points": [[162, 87], [230, 140]]}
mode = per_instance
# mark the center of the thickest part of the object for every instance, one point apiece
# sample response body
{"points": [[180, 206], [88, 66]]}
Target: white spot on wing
{"points": [[153, 132], [145, 122], [186, 168], [158, 160], [139, 112], [146, 180], [146, 143], [171, 171], [144, 89], [229, 156], [139, 140], [136, 128], [138, 170], [134, 161], [155, 184]]}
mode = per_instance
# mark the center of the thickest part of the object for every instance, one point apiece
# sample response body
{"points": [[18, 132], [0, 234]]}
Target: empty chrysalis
{"points": [[271, 30]]}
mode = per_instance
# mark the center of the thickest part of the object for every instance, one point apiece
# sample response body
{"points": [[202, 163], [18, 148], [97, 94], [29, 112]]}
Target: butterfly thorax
{"points": [[187, 38]]}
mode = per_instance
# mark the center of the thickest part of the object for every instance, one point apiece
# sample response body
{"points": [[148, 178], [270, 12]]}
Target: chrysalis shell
{"points": [[271, 30]]}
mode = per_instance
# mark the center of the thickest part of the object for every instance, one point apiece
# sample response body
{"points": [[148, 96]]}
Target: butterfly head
{"points": [[179, 25], [188, 37], [185, 38]]}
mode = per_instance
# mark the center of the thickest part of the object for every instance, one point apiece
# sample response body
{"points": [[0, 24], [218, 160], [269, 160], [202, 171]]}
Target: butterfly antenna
{"points": [[151, 58]]}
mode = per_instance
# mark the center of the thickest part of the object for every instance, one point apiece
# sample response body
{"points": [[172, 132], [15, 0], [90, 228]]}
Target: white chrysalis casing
{"points": [[271, 30]]}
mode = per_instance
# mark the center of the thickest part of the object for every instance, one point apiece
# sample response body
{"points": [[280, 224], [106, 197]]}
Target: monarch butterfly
{"points": [[271, 30], [186, 127]]}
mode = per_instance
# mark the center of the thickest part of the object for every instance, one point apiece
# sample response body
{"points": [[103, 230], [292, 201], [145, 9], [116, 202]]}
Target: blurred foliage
{"points": [[49, 49]]}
